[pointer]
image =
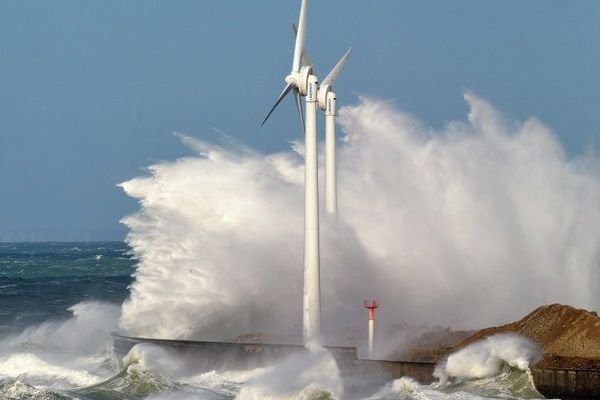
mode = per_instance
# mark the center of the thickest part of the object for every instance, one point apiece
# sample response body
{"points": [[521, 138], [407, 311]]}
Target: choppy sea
{"points": [[40, 281], [59, 302]]}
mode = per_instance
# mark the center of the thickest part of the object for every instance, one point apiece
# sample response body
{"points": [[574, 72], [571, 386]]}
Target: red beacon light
{"points": [[371, 305]]}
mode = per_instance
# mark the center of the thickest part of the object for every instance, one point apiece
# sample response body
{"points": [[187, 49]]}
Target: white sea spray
{"points": [[467, 226]]}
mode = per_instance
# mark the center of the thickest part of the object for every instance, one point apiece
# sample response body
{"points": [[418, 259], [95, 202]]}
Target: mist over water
{"points": [[472, 225]]}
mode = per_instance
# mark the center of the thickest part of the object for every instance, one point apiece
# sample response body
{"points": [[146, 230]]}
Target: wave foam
{"points": [[310, 375], [488, 357], [88, 330], [63, 354], [40, 373]]}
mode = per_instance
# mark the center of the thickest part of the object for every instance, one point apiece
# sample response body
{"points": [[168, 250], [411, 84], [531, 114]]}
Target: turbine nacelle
{"points": [[324, 91], [299, 80]]}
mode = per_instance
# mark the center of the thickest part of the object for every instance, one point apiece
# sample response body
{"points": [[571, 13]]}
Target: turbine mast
{"points": [[302, 81], [327, 102], [330, 160], [312, 285]]}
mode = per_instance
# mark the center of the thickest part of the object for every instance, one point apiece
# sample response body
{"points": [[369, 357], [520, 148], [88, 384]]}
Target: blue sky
{"points": [[91, 92]]}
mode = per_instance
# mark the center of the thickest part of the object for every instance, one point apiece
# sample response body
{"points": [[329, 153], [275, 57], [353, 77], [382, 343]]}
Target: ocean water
{"points": [[59, 302], [40, 281]]}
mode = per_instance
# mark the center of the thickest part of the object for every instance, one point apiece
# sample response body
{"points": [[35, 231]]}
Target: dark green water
{"points": [[39, 281]]}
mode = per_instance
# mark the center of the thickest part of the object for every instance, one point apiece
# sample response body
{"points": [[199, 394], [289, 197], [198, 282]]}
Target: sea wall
{"points": [[551, 382], [567, 383], [385, 371]]}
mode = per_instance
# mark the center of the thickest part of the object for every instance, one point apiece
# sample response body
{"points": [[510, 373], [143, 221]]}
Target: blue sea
{"points": [[40, 281]]}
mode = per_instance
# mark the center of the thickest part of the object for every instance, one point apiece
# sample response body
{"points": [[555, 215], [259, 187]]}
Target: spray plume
{"points": [[472, 225]]}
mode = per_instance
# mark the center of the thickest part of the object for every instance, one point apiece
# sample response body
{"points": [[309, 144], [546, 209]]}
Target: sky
{"points": [[92, 92]]}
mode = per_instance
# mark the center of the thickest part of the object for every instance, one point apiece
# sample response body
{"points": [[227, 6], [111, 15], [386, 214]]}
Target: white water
{"points": [[63, 354], [298, 376], [469, 226], [41, 363], [487, 358], [496, 367]]}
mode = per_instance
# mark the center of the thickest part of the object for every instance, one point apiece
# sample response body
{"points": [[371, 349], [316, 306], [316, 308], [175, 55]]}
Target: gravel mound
{"points": [[569, 337]]}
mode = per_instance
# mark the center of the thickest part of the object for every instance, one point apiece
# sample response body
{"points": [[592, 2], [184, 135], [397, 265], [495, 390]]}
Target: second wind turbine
{"points": [[327, 101]]}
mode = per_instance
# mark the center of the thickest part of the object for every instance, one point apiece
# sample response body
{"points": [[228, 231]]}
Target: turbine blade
{"points": [[306, 61], [299, 108], [299, 48], [337, 69], [284, 93]]}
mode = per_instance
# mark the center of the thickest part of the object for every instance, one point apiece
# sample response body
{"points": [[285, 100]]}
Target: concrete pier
{"points": [[567, 383], [552, 383]]}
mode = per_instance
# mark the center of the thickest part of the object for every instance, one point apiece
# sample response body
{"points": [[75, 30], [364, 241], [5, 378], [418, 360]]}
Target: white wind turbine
{"points": [[328, 103], [304, 83]]}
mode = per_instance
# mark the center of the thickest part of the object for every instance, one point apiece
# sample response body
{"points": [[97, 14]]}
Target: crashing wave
{"points": [[15, 389], [63, 354], [497, 366], [488, 358]]}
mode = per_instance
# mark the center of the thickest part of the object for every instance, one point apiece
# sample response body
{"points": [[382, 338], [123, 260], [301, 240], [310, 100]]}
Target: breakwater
{"points": [[567, 383], [551, 382]]}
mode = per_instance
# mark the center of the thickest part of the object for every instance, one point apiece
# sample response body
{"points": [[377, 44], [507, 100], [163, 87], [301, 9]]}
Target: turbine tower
{"points": [[304, 83], [328, 103]]}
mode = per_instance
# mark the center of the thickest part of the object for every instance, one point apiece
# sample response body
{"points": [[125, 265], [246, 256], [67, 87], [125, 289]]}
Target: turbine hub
{"points": [[300, 79]]}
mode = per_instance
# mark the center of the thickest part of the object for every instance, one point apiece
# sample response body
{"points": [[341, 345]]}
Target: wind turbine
{"points": [[328, 103], [304, 83]]}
